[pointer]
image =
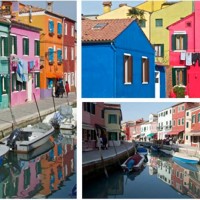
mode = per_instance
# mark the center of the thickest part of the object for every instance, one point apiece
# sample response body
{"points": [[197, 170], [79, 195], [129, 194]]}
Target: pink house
{"points": [[185, 52], [24, 63]]}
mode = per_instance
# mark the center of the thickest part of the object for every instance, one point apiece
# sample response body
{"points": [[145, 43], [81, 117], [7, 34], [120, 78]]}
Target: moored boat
{"points": [[134, 162], [29, 138], [186, 158], [141, 150], [155, 148]]}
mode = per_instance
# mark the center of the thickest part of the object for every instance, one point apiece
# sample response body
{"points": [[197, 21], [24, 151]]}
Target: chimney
{"points": [[107, 6], [122, 4], [50, 6]]}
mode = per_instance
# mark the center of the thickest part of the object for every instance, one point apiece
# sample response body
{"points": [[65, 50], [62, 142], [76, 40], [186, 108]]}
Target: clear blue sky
{"points": [[134, 111], [66, 8], [96, 7]]}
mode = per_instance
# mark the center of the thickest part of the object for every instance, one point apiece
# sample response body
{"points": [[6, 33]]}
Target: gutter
{"points": [[114, 68]]}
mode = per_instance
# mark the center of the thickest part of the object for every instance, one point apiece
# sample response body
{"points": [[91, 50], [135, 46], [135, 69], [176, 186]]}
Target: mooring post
{"points": [[37, 107]]}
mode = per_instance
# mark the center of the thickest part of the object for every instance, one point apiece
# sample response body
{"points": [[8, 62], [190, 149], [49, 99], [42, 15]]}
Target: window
{"points": [[112, 136], [193, 119], [51, 55], [159, 22], [179, 122], [13, 44], [159, 50], [25, 46], [174, 122], [72, 31], [99, 26], [65, 53], [65, 28], [59, 29], [112, 119], [143, 23], [4, 46], [51, 27], [199, 117], [186, 137], [17, 85], [102, 114], [27, 177], [187, 124], [4, 85], [89, 107], [37, 47], [179, 41], [93, 108], [183, 107], [128, 61], [72, 53], [182, 121], [179, 76], [145, 70], [187, 113], [59, 56], [37, 79]]}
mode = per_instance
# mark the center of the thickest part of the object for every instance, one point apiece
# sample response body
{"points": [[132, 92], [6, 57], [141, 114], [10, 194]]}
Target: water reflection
{"points": [[42, 172]]}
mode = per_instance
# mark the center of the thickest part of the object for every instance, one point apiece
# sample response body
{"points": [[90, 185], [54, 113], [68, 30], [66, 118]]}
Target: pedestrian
{"points": [[104, 138], [57, 93], [62, 90], [67, 90]]}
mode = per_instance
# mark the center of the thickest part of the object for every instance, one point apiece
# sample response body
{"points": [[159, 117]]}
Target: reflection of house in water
{"points": [[153, 165], [164, 171], [194, 184]]}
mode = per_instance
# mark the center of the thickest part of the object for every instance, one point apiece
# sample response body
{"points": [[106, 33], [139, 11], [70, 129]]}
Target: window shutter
{"points": [[52, 26], [27, 46], [15, 45], [130, 66], [6, 46], [13, 78], [51, 55], [0, 88], [147, 70], [59, 29], [173, 42], [124, 67], [185, 76], [173, 76], [162, 50], [7, 86], [185, 41], [38, 79], [0, 46]]}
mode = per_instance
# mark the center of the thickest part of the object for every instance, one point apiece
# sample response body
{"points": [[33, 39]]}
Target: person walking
{"points": [[62, 90], [67, 90]]}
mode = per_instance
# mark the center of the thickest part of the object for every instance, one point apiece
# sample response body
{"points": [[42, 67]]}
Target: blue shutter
{"points": [[50, 54], [59, 54], [51, 26], [59, 29]]}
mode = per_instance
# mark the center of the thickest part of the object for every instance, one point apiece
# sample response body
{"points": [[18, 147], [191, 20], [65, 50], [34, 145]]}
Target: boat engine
{"points": [[14, 136]]}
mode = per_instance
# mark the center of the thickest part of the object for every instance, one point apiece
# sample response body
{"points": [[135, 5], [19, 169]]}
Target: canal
{"points": [[47, 172], [161, 177]]}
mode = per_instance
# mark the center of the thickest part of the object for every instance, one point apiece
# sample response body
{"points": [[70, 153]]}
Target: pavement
{"points": [[95, 155], [28, 111]]}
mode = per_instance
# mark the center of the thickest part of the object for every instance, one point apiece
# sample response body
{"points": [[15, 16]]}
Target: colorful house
{"points": [[4, 66], [116, 62], [24, 63], [51, 40], [184, 52]]}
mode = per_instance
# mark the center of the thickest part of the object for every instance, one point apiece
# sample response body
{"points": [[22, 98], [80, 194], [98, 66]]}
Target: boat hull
{"points": [[186, 159]]}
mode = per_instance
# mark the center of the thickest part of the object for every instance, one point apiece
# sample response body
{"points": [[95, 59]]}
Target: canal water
{"points": [[47, 172], [161, 177]]}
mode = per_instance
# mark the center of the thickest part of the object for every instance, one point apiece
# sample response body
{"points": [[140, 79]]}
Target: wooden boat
{"points": [[155, 148], [134, 162], [141, 150], [169, 152], [3, 151], [29, 138], [185, 158]]}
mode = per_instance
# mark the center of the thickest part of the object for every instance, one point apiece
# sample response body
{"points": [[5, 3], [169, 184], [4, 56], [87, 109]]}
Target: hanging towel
{"points": [[188, 58], [20, 71], [182, 57], [194, 58], [25, 71]]}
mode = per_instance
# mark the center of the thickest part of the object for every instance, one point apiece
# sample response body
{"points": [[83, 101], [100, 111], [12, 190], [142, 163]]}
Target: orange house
{"points": [[51, 41]]}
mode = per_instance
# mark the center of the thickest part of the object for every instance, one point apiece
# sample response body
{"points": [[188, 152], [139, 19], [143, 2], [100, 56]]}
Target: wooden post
{"points": [[37, 107]]}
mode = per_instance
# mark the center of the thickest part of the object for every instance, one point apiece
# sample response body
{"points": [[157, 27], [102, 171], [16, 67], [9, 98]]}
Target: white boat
{"points": [[134, 162], [186, 158], [3, 150], [169, 152], [30, 137]]}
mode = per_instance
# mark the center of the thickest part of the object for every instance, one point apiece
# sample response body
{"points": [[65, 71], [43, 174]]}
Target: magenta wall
{"points": [[20, 97]]}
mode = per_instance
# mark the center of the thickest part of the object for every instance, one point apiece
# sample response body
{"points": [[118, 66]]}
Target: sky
{"points": [[66, 8], [138, 110]]}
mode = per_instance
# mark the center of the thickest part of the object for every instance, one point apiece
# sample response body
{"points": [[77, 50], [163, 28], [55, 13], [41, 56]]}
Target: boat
{"points": [[134, 162], [155, 148], [169, 152], [3, 151], [185, 158], [191, 167], [29, 138], [141, 150]]}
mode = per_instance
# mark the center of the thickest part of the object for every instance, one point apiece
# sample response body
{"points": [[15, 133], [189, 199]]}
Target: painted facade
{"points": [[186, 71], [159, 36], [24, 63], [151, 6], [164, 123], [113, 118], [116, 56], [4, 64]]}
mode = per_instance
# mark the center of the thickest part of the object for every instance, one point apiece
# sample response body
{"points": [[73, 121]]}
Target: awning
{"points": [[136, 135], [151, 135], [193, 133], [87, 127], [100, 127], [174, 132]]}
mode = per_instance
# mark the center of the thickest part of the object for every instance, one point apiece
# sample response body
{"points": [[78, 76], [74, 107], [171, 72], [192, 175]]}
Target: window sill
{"points": [[129, 83], [145, 83], [179, 51]]}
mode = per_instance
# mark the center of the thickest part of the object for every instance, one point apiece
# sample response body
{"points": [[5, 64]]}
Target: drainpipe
{"points": [[114, 68], [63, 23], [9, 70]]}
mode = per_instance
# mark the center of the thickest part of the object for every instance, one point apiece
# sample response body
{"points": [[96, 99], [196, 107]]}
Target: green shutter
{"points": [[162, 50], [185, 76], [0, 88], [13, 79], [0, 46], [185, 41], [173, 42], [38, 79], [38, 48], [27, 46], [15, 44], [6, 46], [7, 81], [173, 76]]}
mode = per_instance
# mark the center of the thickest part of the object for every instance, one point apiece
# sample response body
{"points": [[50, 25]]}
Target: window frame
{"points": [[179, 76], [25, 46], [179, 42], [159, 22], [128, 69], [145, 70], [160, 51]]}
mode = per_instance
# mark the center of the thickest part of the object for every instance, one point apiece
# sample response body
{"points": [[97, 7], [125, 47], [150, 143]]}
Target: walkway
{"points": [[28, 111], [94, 156]]}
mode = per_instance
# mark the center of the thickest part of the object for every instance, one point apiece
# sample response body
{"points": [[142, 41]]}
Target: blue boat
{"points": [[155, 148], [142, 150], [185, 158], [191, 167]]}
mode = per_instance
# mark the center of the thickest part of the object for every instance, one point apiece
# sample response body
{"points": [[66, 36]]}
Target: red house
{"points": [[69, 54], [185, 52]]}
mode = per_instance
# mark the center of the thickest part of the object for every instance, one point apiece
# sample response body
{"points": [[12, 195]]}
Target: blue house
{"points": [[117, 60]]}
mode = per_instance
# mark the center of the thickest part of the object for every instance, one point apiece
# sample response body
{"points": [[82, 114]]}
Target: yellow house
{"points": [[159, 35], [151, 5], [121, 13]]}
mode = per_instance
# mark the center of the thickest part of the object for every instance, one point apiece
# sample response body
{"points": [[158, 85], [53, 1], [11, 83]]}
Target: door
{"points": [[30, 88], [157, 84]]}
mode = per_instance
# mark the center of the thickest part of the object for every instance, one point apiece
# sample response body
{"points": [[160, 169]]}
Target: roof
{"points": [[111, 29], [4, 20]]}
